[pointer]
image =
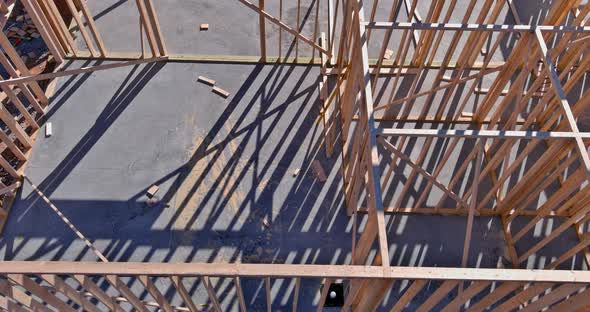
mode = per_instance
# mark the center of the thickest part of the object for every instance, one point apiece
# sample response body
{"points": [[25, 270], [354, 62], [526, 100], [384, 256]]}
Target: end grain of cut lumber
{"points": [[153, 190], [221, 92], [206, 80], [318, 170], [48, 130], [204, 27]]}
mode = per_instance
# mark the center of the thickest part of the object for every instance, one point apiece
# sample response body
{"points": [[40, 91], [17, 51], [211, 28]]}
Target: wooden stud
{"points": [[120, 286], [211, 293], [97, 292], [555, 295], [147, 26], [80, 24], [268, 294], [410, 293], [71, 293], [296, 293], [443, 290], [62, 28], [20, 66], [274, 20], [155, 293], [14, 293], [39, 292], [240, 294], [262, 30], [184, 294], [92, 26], [324, 294], [155, 23]]}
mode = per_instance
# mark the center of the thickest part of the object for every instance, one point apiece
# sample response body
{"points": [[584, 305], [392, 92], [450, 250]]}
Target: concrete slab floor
{"points": [[223, 166]]}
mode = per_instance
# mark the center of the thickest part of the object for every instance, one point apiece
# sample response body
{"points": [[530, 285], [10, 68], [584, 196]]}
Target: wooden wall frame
{"points": [[542, 67]]}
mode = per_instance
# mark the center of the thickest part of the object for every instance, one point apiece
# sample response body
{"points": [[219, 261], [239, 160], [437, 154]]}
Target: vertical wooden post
{"points": [[177, 282], [268, 298], [147, 25], [262, 32], [298, 29], [156, 27], [80, 24], [93, 29]]}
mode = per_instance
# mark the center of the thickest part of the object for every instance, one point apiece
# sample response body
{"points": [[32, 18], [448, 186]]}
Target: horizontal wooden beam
{"points": [[78, 71], [291, 270], [502, 134], [388, 66], [484, 212], [475, 27]]}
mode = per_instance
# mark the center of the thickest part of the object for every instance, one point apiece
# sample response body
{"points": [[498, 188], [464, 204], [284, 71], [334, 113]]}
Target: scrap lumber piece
{"points": [[221, 92], [151, 192], [206, 80], [48, 130]]}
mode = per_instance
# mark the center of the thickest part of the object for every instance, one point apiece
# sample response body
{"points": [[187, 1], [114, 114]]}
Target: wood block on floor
{"points": [[48, 130], [151, 192], [221, 92], [206, 80]]}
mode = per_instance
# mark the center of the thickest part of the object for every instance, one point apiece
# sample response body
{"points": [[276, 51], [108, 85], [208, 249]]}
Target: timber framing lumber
{"points": [[563, 100], [78, 71], [284, 26], [471, 134], [250, 270], [476, 27], [461, 123], [374, 173]]}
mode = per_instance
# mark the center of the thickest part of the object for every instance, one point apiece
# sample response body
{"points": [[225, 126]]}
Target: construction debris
{"points": [[151, 192], [318, 170], [206, 80], [24, 29], [48, 130], [221, 92]]}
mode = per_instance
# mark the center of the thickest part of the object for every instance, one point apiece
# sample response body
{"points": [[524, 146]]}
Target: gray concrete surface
{"points": [[223, 166]]}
